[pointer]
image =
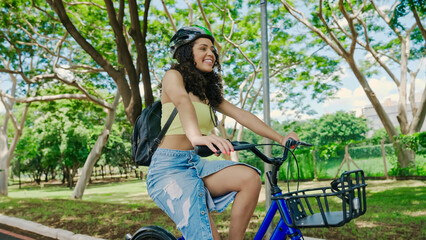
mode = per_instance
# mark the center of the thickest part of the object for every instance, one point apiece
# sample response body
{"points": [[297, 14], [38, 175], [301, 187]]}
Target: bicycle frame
{"points": [[281, 230]]}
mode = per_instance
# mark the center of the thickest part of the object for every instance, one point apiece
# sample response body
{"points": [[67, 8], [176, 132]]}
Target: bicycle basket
{"points": [[328, 206]]}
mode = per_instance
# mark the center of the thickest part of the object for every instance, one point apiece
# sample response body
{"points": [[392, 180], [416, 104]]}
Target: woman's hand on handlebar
{"points": [[214, 143], [292, 135]]}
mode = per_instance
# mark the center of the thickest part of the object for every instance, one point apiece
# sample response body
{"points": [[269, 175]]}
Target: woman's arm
{"points": [[173, 90], [250, 121]]}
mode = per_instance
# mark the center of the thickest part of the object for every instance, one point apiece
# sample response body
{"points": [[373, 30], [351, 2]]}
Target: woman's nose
{"points": [[211, 53]]}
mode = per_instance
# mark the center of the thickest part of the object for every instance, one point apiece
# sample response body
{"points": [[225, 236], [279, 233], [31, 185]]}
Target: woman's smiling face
{"points": [[204, 56]]}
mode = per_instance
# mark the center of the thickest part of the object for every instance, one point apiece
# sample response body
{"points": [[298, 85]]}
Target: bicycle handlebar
{"points": [[204, 151]]}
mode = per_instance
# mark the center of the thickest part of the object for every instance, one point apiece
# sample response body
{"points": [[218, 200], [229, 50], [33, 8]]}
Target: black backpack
{"points": [[147, 133]]}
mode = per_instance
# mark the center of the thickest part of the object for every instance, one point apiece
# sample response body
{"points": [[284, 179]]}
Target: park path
{"points": [[11, 233], [15, 229]]}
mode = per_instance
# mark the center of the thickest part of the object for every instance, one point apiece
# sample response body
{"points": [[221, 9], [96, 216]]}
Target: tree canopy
{"points": [[86, 52]]}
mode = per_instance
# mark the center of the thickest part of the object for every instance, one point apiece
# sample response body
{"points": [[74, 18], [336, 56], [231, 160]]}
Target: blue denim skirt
{"points": [[174, 182]]}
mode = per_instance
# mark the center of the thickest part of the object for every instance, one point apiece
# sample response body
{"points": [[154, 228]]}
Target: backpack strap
{"points": [[166, 127]]}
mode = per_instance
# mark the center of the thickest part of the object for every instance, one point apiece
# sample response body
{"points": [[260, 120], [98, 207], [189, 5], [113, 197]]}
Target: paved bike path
{"points": [[12, 233], [36, 228]]}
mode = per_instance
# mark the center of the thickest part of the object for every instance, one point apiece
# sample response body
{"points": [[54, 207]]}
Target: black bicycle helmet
{"points": [[188, 34]]}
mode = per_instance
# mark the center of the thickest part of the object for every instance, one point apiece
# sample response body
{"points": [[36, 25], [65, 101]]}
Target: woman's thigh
{"points": [[232, 178]]}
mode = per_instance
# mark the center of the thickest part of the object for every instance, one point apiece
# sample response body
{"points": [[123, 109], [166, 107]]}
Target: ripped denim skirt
{"points": [[174, 182]]}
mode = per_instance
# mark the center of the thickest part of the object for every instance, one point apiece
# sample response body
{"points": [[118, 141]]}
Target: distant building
{"points": [[391, 108]]}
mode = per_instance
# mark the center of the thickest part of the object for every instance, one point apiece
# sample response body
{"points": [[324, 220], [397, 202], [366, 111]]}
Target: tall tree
{"points": [[357, 28], [122, 25], [341, 128], [36, 58], [21, 67]]}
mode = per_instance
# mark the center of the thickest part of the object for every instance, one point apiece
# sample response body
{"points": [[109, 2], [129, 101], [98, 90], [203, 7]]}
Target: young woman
{"points": [[186, 187]]}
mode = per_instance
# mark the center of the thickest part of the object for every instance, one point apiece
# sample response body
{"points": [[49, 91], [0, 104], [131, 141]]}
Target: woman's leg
{"points": [[246, 182], [215, 233]]}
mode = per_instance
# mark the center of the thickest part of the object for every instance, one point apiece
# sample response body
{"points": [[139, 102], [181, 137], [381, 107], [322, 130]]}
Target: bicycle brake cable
{"points": [[288, 167]]}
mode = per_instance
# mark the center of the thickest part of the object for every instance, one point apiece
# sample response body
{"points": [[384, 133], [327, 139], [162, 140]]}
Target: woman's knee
{"points": [[233, 178], [251, 179]]}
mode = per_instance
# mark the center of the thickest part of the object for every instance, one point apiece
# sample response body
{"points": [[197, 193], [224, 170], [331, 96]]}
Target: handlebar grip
{"points": [[204, 151], [291, 142]]}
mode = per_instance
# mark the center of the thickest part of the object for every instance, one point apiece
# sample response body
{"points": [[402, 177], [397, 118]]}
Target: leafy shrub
{"points": [[396, 170], [415, 142]]}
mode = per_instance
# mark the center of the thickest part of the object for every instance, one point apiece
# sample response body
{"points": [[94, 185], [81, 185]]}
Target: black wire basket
{"points": [[332, 206]]}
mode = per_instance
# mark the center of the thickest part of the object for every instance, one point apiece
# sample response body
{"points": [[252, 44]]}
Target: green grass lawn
{"points": [[133, 191], [395, 210]]}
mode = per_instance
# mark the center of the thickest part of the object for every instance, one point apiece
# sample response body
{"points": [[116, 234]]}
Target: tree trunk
{"points": [[4, 166], [406, 157], [68, 177], [64, 175], [6, 152], [382, 143], [315, 165], [95, 153]]}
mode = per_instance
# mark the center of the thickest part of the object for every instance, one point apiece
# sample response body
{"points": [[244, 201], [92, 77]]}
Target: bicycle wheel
{"points": [[153, 233]]}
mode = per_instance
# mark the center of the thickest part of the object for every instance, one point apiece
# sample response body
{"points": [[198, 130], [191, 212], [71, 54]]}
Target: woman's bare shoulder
{"points": [[172, 74], [172, 85], [172, 78]]}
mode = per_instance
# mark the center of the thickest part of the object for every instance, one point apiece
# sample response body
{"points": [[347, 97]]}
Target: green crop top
{"points": [[203, 114]]}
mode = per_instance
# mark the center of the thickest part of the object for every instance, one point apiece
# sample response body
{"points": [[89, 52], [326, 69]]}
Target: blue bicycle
{"points": [[332, 206]]}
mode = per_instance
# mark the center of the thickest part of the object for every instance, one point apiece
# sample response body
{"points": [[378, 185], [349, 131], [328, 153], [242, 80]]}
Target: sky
{"points": [[351, 96]]}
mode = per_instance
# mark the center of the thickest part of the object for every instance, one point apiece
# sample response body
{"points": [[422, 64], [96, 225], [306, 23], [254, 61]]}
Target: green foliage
{"points": [[300, 170], [57, 135], [329, 134], [415, 142], [338, 129], [378, 135], [411, 170], [404, 8], [328, 151], [341, 127]]}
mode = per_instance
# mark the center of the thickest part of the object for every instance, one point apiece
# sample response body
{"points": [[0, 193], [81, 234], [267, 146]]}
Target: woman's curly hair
{"points": [[206, 86]]}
